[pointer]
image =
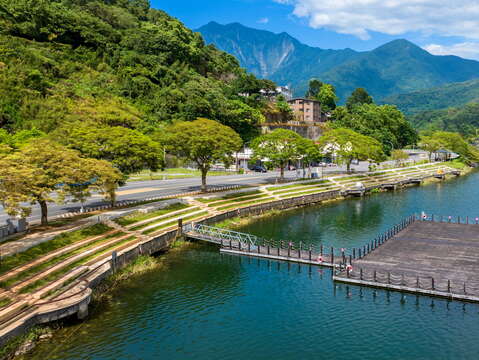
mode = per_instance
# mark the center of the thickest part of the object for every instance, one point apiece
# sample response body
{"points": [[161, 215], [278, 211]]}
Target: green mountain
{"points": [[450, 95], [396, 67], [463, 119], [113, 63]]}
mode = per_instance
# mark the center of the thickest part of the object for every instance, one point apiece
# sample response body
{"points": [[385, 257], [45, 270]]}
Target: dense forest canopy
{"points": [[115, 63], [464, 120]]}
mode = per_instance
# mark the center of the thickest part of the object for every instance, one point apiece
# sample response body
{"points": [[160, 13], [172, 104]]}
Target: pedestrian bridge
{"points": [[238, 243]]}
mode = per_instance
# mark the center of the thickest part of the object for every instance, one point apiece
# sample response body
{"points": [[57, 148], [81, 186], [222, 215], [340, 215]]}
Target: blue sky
{"points": [[437, 25]]}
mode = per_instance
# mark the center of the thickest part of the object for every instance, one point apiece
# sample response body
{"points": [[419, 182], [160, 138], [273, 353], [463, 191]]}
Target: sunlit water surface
{"points": [[205, 305]]}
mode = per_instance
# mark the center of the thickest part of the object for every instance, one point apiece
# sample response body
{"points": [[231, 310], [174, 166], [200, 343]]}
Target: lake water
{"points": [[205, 305]]}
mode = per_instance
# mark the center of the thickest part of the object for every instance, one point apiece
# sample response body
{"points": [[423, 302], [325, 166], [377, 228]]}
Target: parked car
{"points": [[259, 168]]}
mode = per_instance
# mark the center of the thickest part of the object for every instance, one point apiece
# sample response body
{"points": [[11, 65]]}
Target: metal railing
{"points": [[414, 282]]}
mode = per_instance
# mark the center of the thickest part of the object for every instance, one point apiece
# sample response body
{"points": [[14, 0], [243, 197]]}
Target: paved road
{"points": [[137, 190]]}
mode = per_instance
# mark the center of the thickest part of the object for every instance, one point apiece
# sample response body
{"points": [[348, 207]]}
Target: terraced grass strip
{"points": [[301, 188], [238, 200], [290, 195], [45, 265], [245, 204], [173, 223], [59, 273], [138, 216], [5, 301], [142, 226], [274, 188], [58, 242]]}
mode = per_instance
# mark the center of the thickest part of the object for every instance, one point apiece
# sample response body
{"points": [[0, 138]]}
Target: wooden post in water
{"points": [[299, 250], [249, 247], [279, 250], [389, 277], [448, 286], [417, 282], [359, 253], [268, 249], [350, 259], [332, 256], [239, 245], [289, 249], [432, 283], [360, 274], [354, 253], [321, 250], [375, 276], [310, 251], [259, 249]]}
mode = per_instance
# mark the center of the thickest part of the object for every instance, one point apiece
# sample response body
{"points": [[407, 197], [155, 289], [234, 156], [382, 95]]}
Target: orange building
{"points": [[306, 110]]}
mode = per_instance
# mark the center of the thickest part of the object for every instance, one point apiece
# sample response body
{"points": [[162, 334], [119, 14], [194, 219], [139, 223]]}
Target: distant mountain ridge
{"points": [[394, 68]]}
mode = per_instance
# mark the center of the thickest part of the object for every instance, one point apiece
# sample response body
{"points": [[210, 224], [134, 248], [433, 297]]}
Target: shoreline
{"points": [[246, 215]]}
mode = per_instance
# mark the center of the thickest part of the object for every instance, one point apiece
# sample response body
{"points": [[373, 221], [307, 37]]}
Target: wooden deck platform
{"points": [[434, 258]]}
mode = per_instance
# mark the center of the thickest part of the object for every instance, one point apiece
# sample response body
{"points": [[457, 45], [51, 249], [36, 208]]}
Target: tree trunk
{"points": [[203, 179], [44, 209], [281, 176], [348, 166]]}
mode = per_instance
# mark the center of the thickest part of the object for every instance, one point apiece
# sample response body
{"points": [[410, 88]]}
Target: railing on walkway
{"points": [[219, 235], [412, 282], [448, 219]]}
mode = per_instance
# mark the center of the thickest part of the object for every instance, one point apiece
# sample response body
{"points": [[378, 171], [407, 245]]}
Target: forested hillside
{"points": [[464, 120], [450, 95], [114, 63]]}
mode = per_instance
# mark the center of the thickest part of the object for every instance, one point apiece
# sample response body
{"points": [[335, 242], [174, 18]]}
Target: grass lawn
{"points": [[139, 227], [139, 216], [44, 265], [11, 262], [59, 273], [173, 223]]}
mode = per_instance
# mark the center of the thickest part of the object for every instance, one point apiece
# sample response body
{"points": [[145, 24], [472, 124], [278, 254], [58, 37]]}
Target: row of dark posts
{"points": [[450, 219], [403, 283]]}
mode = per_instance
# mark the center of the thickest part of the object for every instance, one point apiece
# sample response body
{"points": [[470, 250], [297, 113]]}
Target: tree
{"points": [[347, 145], [314, 88], [384, 123], [327, 97], [204, 142], [43, 171], [430, 144], [310, 152], [399, 156], [128, 150], [278, 147], [358, 97]]}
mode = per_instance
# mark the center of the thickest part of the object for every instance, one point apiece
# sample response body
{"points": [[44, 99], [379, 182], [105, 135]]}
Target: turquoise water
{"points": [[205, 305]]}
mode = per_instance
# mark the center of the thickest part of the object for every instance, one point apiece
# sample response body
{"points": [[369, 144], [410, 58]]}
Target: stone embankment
{"points": [[57, 283]]}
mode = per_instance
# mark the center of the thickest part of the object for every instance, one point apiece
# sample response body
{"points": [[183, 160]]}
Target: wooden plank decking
{"points": [[427, 257]]}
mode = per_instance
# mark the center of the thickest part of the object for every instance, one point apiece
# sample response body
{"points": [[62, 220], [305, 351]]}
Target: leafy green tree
{"points": [[204, 142], [327, 97], [399, 156], [384, 123], [430, 144], [128, 150], [358, 97], [43, 171], [314, 89], [278, 147], [347, 145], [310, 153]]}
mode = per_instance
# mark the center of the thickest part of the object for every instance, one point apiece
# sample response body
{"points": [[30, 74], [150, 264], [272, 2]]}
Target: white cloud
{"points": [[264, 20], [393, 17], [468, 50]]}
